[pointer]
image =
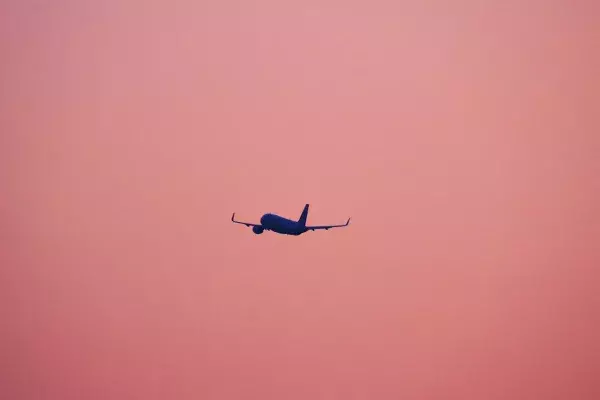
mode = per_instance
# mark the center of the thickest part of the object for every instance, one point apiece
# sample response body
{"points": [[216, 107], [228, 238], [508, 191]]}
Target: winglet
{"points": [[348, 222], [232, 217]]}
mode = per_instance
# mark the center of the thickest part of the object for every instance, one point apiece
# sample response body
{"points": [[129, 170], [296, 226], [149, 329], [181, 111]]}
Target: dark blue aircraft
{"points": [[275, 223]]}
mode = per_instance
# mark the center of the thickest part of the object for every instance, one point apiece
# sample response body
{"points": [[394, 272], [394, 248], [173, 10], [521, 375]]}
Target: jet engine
{"points": [[258, 229]]}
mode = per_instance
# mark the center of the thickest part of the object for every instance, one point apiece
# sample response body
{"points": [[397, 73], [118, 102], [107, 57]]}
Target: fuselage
{"points": [[275, 223]]}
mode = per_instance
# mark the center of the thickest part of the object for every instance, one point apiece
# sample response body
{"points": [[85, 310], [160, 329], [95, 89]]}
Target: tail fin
{"points": [[303, 216]]}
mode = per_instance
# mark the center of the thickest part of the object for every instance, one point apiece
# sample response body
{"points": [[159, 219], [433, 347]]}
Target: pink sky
{"points": [[462, 137]]}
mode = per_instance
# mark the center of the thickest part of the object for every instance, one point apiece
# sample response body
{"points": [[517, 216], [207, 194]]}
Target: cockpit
{"points": [[264, 218]]}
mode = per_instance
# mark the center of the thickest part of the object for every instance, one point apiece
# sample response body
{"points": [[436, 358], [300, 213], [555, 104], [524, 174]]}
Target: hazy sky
{"points": [[462, 137]]}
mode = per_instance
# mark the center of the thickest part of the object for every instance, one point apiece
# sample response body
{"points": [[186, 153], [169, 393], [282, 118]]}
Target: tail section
{"points": [[303, 216]]}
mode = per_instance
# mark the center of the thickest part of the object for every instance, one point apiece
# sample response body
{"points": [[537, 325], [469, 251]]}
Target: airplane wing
{"points": [[243, 223], [327, 227]]}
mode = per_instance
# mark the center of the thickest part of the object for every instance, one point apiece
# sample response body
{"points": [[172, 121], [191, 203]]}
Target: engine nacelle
{"points": [[258, 229]]}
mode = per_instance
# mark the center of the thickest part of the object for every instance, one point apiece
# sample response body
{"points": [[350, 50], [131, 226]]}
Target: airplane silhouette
{"points": [[284, 226]]}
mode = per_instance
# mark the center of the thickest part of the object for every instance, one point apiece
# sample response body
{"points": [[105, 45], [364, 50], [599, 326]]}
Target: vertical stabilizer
{"points": [[303, 216]]}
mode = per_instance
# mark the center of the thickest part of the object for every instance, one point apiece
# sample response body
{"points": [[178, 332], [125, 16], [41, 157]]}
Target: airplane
{"points": [[284, 226]]}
